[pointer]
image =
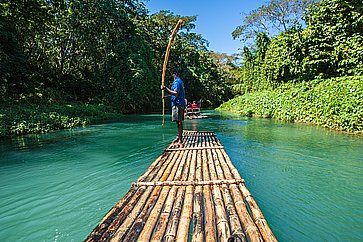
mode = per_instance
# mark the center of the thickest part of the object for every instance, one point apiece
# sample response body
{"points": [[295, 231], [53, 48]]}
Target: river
{"points": [[308, 181]]}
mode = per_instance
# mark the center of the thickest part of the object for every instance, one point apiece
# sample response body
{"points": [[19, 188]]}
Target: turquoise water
{"points": [[56, 187]]}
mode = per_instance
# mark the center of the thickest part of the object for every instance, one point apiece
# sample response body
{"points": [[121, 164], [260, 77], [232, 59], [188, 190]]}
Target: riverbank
{"points": [[335, 103], [21, 119]]}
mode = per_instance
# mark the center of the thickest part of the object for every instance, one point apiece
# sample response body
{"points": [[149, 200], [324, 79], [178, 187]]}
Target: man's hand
{"points": [[168, 90]]}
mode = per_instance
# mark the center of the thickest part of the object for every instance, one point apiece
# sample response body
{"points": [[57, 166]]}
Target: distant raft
{"points": [[194, 112], [191, 192]]}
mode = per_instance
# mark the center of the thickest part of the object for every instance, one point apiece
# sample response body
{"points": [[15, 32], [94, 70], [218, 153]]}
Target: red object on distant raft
{"points": [[193, 111]]}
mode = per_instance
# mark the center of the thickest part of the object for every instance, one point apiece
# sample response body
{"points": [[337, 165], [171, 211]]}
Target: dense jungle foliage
{"points": [[312, 74], [332, 103], [107, 52]]}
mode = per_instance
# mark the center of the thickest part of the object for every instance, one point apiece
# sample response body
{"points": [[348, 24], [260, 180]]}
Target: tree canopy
{"points": [[329, 46], [272, 18], [107, 51]]}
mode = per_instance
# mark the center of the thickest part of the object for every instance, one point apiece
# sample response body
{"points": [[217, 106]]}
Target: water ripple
{"points": [[56, 187]]}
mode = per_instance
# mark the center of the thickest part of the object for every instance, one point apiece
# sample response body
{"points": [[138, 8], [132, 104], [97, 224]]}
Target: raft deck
{"points": [[193, 192]]}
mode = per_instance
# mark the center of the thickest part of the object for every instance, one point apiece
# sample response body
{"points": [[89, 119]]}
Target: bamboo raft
{"points": [[190, 193]]}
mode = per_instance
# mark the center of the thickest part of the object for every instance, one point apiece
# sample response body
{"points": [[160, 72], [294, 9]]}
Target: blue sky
{"points": [[216, 19]]}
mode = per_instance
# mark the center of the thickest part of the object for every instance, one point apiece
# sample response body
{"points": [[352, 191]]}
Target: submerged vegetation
{"points": [[311, 74]]}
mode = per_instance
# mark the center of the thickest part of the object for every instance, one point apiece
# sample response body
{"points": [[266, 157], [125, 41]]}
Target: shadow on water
{"points": [[58, 186]]}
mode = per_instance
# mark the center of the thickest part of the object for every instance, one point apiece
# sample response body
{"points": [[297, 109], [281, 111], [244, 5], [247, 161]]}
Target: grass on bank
{"points": [[335, 103], [23, 119]]}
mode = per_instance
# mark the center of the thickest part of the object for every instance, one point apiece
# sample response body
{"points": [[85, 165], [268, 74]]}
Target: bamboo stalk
{"points": [[210, 218], [152, 219], [121, 231], [112, 228], [188, 183], [195, 148], [156, 164], [172, 226], [171, 230], [236, 226], [116, 215], [257, 215], [195, 184], [182, 173], [248, 225], [102, 227], [186, 214], [221, 217], [161, 223], [166, 58], [198, 229], [156, 195], [183, 228], [191, 143]]}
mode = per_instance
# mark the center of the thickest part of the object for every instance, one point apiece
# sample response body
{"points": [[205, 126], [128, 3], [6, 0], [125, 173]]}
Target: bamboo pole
{"points": [[171, 230], [198, 229], [182, 174], [222, 222], [131, 216], [155, 167], [236, 227], [195, 148], [257, 215], [152, 219], [156, 164], [112, 228], [195, 184], [188, 183], [250, 228], [186, 214], [102, 227], [210, 217], [160, 226], [116, 215], [156, 195], [190, 144], [166, 58], [172, 226]]}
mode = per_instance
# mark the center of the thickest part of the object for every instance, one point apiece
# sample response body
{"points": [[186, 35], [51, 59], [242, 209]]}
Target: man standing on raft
{"points": [[177, 95]]}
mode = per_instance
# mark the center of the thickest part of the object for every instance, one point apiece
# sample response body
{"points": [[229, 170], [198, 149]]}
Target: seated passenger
{"points": [[194, 105]]}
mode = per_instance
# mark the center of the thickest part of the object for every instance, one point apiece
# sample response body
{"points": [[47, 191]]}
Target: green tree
{"points": [[274, 17], [12, 60], [333, 39], [203, 78]]}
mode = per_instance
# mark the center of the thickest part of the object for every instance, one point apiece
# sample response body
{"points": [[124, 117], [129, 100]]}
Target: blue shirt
{"points": [[178, 86]]}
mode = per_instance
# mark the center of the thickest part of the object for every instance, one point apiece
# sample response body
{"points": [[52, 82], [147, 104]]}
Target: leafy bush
{"points": [[26, 119], [335, 103]]}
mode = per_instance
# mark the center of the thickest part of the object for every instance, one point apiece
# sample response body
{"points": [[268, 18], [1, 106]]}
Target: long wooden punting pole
{"points": [[166, 58]]}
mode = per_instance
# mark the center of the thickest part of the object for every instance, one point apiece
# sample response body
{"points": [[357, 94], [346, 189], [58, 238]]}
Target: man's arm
{"points": [[172, 92]]}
